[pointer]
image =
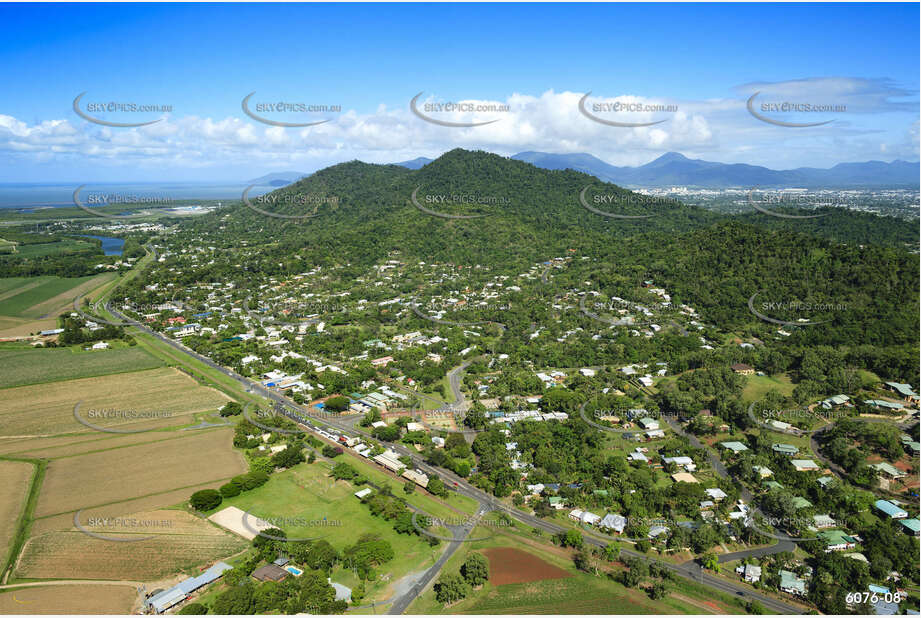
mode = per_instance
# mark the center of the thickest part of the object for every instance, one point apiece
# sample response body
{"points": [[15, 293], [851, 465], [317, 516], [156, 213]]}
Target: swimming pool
{"points": [[294, 570]]}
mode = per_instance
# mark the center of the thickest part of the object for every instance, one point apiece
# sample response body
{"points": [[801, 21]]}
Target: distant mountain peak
{"points": [[668, 157], [676, 169]]}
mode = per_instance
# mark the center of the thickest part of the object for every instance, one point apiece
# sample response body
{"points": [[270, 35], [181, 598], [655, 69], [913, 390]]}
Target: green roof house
{"points": [[911, 526], [735, 447], [836, 540], [785, 449]]}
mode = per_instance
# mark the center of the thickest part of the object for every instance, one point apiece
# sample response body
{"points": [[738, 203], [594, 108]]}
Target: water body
{"points": [[60, 195], [110, 246]]}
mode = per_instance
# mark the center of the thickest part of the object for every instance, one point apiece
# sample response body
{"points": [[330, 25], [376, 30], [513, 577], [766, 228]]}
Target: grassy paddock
{"points": [[26, 365]]}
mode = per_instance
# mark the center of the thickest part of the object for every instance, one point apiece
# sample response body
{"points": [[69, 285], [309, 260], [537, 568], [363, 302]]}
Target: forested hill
{"points": [[862, 292], [523, 213]]}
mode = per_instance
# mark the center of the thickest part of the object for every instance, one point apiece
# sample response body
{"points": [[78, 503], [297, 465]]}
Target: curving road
{"points": [[454, 379], [460, 533]]}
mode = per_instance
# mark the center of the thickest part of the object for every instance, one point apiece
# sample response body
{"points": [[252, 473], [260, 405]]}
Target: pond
{"points": [[110, 246]]}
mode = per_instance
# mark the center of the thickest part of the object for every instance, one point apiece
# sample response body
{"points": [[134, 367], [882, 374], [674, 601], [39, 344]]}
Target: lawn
{"points": [[418, 498], [26, 365], [756, 387], [327, 509]]}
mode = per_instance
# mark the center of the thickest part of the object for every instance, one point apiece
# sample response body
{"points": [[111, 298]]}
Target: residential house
{"points": [[780, 425], [910, 525], [419, 478], [683, 461], [735, 447], [614, 521], [905, 390], [743, 369], [886, 405], [391, 461], [823, 521], [270, 572], [791, 584], [785, 449], [804, 465], [835, 401], [584, 517], [638, 456], [836, 540], [888, 470], [749, 572], [890, 509]]}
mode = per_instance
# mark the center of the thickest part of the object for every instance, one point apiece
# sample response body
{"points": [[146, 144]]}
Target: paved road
{"points": [[415, 309], [459, 533], [687, 570], [714, 460], [779, 547], [782, 545], [454, 380]]}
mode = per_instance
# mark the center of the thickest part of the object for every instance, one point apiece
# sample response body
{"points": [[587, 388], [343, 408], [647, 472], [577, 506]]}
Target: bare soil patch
{"points": [[509, 565]]}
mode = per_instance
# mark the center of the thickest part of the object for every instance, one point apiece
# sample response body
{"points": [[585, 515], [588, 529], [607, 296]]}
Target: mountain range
{"points": [[278, 179], [675, 169]]}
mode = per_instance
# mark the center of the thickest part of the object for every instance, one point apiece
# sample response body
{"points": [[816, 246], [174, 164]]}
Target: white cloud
{"points": [[717, 129]]}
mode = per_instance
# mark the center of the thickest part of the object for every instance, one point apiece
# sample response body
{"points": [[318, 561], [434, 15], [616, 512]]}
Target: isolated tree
{"points": [[450, 587], [573, 538], [475, 569], [339, 403], [711, 561], [331, 451], [231, 408], [205, 500]]}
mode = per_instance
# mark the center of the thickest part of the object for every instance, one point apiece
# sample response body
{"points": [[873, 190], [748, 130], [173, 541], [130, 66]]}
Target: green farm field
{"points": [[25, 365], [18, 295]]}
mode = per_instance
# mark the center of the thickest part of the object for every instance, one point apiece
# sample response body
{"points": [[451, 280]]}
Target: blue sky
{"points": [[371, 59]]}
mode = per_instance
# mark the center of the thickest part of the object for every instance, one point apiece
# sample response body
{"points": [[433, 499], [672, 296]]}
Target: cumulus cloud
{"points": [[718, 129]]}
